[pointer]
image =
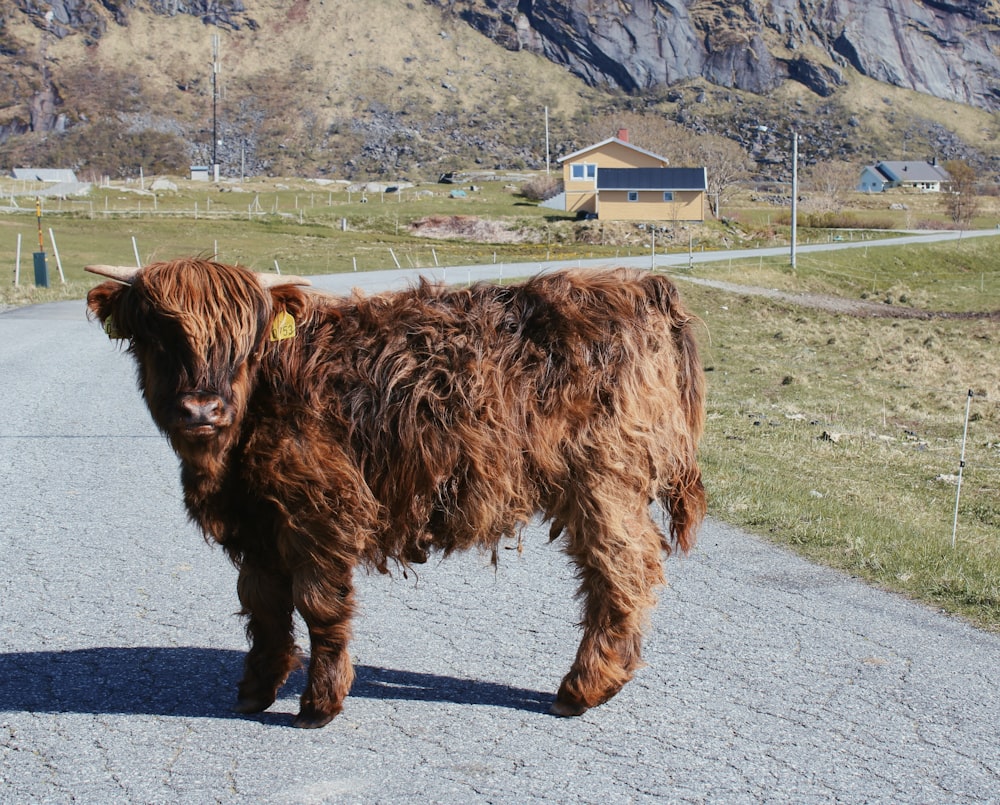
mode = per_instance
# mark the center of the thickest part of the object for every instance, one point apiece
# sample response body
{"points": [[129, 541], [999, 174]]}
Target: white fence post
{"points": [[55, 251], [961, 467]]}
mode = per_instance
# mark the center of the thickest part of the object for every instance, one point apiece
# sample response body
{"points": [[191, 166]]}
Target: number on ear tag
{"points": [[283, 326]]}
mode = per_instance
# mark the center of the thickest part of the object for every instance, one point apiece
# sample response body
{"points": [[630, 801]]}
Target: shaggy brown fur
{"points": [[430, 419]]}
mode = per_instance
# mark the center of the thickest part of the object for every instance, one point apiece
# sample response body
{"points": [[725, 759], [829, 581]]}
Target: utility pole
{"points": [[795, 191], [215, 104]]}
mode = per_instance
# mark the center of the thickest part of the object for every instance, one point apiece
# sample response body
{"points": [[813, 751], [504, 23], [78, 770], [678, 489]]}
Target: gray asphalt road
{"points": [[768, 679], [371, 281]]}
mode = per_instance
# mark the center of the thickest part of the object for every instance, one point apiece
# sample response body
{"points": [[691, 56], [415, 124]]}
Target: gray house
{"points": [[926, 177]]}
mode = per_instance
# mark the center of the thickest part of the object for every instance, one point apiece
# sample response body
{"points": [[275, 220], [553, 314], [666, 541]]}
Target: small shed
{"points": [[199, 173]]}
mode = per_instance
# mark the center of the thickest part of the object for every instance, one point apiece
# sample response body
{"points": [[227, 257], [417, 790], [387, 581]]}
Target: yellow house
{"points": [[615, 180], [580, 168]]}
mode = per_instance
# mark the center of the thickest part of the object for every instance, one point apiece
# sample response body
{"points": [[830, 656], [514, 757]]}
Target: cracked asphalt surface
{"points": [[768, 680]]}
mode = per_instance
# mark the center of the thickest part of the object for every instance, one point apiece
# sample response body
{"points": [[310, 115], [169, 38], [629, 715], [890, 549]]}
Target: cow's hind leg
{"points": [[326, 603], [618, 554], [266, 597]]}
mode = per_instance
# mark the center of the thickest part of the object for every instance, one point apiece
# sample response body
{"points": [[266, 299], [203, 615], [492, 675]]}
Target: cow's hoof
{"points": [[568, 709], [252, 705], [312, 720]]}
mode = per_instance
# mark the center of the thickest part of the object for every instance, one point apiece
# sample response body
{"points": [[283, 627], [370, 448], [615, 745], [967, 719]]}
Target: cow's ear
{"points": [[101, 303], [289, 298]]}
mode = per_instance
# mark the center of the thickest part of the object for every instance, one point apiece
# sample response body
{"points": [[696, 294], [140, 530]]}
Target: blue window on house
{"points": [[583, 170], [668, 195], [633, 195]]}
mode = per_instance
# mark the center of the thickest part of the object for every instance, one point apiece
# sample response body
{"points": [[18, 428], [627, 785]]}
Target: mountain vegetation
{"points": [[400, 88]]}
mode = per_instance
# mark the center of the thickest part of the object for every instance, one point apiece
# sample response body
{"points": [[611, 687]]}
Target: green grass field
{"points": [[837, 435], [955, 276], [306, 229]]}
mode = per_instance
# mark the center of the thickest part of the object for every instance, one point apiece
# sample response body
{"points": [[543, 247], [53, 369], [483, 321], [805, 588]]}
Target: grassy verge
{"points": [[303, 229], [961, 275], [841, 437]]}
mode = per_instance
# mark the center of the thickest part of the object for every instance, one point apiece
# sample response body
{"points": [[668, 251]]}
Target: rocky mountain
{"points": [[948, 49], [350, 87]]}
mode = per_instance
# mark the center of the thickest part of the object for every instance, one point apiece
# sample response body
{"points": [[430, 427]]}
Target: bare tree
{"points": [[960, 199], [650, 132], [726, 166], [830, 184]]}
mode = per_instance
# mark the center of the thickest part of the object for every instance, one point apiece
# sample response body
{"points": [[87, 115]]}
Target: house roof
{"points": [[915, 171], [651, 179], [602, 143]]}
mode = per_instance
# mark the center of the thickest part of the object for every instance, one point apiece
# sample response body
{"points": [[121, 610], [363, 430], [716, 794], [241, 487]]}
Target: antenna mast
{"points": [[546, 140], [215, 104]]}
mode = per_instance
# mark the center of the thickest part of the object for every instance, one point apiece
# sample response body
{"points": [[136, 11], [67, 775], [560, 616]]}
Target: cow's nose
{"points": [[197, 410]]}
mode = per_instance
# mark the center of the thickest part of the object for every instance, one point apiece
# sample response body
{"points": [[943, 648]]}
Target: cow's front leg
{"points": [[266, 596], [325, 599]]}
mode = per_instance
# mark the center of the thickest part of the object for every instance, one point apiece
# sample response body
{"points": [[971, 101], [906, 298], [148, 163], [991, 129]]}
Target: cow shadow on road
{"points": [[201, 682]]}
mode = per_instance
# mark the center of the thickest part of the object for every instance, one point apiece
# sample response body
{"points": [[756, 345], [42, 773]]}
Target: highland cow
{"points": [[316, 433]]}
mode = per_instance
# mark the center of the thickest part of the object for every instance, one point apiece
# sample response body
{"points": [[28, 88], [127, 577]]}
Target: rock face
{"points": [[943, 48], [65, 17]]}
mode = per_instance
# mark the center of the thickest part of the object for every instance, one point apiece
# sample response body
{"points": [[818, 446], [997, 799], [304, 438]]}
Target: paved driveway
{"points": [[768, 679]]}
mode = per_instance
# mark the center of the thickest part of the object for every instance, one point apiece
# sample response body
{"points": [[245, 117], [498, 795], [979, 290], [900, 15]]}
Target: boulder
{"points": [[162, 185]]}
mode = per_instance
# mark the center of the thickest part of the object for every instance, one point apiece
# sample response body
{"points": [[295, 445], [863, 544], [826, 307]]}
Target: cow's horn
{"points": [[274, 280], [125, 274]]}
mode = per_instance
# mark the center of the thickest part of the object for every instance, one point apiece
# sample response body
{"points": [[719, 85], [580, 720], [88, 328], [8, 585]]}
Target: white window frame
{"points": [[633, 195], [668, 195], [583, 171]]}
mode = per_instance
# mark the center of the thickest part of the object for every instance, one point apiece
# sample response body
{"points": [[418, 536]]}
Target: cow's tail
{"points": [[682, 494]]}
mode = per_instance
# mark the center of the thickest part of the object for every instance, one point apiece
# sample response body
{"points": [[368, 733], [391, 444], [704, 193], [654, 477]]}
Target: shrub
{"points": [[542, 187], [843, 220]]}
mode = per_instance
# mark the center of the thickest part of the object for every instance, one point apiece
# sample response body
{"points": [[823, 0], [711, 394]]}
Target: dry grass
{"points": [[429, 64], [467, 227], [880, 107], [841, 436]]}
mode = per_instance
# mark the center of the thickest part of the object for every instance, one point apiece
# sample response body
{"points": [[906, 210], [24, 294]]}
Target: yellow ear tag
{"points": [[283, 326], [110, 329]]}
